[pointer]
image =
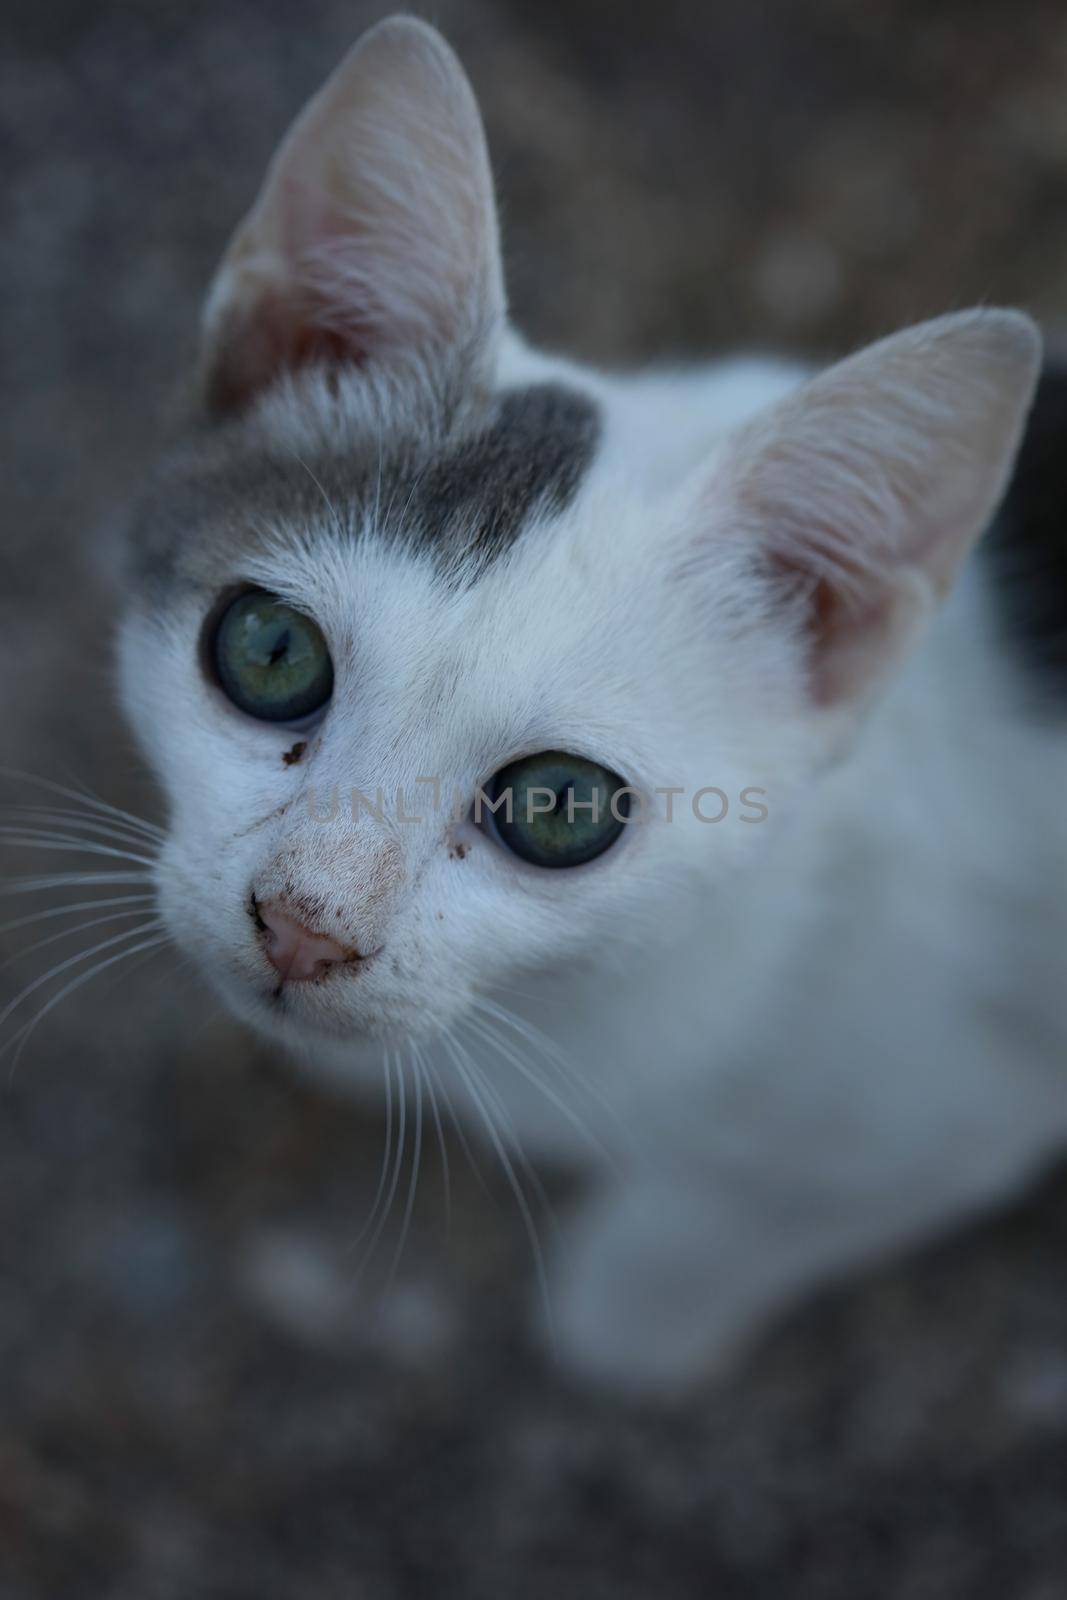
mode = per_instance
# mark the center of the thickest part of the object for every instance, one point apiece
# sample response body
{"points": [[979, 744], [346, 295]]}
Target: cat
{"points": [[574, 751]]}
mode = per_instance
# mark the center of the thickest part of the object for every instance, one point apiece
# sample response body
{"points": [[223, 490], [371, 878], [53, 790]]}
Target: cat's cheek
{"points": [[206, 919]]}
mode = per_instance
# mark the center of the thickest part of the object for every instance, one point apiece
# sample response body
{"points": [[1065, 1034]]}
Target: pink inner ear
{"points": [[843, 623], [275, 337], [374, 235]]}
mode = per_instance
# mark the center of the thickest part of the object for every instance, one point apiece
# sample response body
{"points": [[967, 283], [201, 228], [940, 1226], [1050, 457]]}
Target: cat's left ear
{"points": [[374, 237], [861, 492]]}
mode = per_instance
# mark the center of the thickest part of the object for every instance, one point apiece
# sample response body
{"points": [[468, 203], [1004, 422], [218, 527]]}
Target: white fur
{"points": [[817, 1037]]}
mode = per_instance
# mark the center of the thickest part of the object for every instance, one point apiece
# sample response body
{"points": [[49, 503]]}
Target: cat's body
{"points": [[867, 1042], [809, 1031]]}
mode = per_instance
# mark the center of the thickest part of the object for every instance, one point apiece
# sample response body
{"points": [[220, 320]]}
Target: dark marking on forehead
{"points": [[1026, 548], [461, 493], [532, 457]]}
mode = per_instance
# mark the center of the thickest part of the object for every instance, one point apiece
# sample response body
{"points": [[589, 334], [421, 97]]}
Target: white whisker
{"points": [[67, 933], [22, 1037], [387, 1151], [70, 880], [413, 1183], [521, 1201], [507, 1124], [71, 961], [101, 827], [458, 1129], [485, 1032], [401, 1142], [416, 485], [338, 525], [531, 1035], [83, 797], [40, 840], [435, 1112], [68, 911], [555, 1059]]}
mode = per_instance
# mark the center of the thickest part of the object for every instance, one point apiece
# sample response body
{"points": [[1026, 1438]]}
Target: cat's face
{"points": [[575, 633], [400, 563]]}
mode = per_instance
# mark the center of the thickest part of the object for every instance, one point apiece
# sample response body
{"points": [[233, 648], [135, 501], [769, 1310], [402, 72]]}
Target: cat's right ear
{"points": [[860, 494], [374, 237]]}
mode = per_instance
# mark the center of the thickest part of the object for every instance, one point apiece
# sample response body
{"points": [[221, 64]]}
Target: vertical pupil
{"points": [[281, 645]]}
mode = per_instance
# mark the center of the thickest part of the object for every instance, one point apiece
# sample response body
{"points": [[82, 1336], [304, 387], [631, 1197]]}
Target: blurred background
{"points": [[193, 1399]]}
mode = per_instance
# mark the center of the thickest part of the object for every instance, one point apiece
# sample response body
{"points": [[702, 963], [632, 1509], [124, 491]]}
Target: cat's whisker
{"points": [[394, 1181], [507, 1124], [85, 798], [442, 1146], [68, 933], [556, 1061], [78, 794], [458, 1128], [537, 1040], [416, 485], [387, 1151], [68, 820], [481, 1024], [482, 1109], [338, 525], [21, 1038], [413, 1182], [485, 1032], [71, 910], [69, 880], [40, 839], [71, 961], [383, 521]]}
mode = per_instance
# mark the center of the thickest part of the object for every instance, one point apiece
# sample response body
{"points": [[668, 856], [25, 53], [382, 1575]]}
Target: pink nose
{"points": [[294, 951]]}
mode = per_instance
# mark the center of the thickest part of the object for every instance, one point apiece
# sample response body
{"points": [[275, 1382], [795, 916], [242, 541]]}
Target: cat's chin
{"points": [[296, 1021], [317, 1016], [293, 1022]]}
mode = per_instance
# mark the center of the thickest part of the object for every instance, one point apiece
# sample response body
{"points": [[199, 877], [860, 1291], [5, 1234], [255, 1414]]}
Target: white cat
{"points": [[800, 993]]}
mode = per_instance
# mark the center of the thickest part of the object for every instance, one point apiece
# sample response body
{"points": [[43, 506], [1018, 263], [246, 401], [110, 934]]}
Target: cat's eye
{"points": [[271, 660], [555, 809]]}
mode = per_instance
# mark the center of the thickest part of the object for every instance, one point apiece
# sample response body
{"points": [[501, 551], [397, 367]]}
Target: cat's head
{"points": [[397, 556]]}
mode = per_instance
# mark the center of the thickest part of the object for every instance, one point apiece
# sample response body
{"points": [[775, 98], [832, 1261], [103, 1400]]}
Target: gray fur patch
{"points": [[462, 494], [531, 457]]}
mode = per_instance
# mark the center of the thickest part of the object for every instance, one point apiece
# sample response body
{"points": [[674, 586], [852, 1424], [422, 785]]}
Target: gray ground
{"points": [[192, 1403]]}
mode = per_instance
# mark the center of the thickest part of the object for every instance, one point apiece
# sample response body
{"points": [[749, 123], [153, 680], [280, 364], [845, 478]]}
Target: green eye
{"points": [[557, 810], [271, 659]]}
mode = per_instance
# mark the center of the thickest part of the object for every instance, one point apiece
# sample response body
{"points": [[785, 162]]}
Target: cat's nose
{"points": [[296, 953]]}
